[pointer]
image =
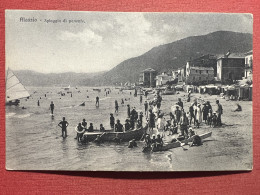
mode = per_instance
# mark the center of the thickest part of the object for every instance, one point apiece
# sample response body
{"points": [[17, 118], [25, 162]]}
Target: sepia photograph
{"points": [[128, 91]]}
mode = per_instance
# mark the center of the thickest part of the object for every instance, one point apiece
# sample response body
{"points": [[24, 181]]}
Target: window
{"points": [[207, 71], [200, 71], [199, 78]]}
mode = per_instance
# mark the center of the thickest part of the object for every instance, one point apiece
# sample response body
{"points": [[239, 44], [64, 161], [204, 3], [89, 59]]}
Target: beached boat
{"points": [[14, 89], [66, 88], [123, 136], [169, 146], [168, 92], [98, 90]]}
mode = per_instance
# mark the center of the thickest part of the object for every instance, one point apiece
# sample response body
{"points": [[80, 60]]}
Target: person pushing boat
{"points": [[80, 132]]}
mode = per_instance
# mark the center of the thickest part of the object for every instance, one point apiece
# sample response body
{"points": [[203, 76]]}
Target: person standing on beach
{"points": [[151, 120], [52, 107], [178, 114], [146, 108], [180, 103], [146, 94], [192, 115], [141, 118], [219, 113], [184, 122], [141, 99], [63, 125], [97, 101], [205, 112], [198, 116], [128, 111], [38, 103], [116, 106]]}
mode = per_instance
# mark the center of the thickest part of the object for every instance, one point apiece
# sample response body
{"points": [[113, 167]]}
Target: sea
{"points": [[34, 141]]}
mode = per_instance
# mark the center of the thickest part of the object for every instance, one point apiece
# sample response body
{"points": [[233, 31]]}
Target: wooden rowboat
{"points": [[123, 136], [169, 146]]}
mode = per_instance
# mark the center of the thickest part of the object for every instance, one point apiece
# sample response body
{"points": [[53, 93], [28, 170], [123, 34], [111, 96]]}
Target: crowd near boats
{"points": [[149, 127]]}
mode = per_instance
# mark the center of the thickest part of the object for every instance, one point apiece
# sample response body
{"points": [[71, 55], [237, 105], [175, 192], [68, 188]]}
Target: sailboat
{"points": [[14, 89]]}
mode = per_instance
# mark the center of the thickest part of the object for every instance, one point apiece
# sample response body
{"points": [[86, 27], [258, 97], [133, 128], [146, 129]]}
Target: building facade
{"points": [[208, 60], [249, 65], [230, 67], [199, 75], [162, 79], [147, 78], [181, 75]]}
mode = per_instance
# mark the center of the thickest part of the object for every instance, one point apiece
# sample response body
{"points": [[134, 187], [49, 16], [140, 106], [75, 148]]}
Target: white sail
{"points": [[14, 89]]}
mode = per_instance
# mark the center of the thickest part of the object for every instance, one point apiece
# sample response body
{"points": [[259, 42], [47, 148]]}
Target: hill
{"points": [[175, 54], [32, 78]]}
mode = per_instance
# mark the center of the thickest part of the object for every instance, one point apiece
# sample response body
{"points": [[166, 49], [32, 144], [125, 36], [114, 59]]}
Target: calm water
{"points": [[33, 139]]}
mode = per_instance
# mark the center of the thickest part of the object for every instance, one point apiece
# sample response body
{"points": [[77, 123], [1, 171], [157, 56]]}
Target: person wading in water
{"points": [[112, 121], [97, 101], [63, 125], [52, 107]]}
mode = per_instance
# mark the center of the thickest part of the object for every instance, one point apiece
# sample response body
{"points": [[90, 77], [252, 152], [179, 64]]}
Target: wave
{"points": [[8, 115]]}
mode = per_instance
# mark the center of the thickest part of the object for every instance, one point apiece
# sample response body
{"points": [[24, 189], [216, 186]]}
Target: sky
{"points": [[98, 41]]}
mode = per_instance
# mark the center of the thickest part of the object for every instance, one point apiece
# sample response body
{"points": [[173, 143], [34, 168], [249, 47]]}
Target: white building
{"points": [[249, 65], [162, 79]]}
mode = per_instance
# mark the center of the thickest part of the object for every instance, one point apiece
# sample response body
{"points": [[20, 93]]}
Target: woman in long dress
{"points": [[198, 115], [161, 124]]}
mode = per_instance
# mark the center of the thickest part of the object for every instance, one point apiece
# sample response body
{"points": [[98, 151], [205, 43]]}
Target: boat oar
{"points": [[184, 149]]}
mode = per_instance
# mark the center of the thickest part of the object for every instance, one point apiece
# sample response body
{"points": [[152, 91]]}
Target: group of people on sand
{"points": [[133, 121], [180, 120]]}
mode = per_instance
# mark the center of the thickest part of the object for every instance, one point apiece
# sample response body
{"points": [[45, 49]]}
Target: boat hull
{"points": [[110, 136], [176, 144], [13, 103]]}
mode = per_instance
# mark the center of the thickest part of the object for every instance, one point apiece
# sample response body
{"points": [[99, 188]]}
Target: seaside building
{"points": [[162, 79], [230, 67], [147, 78], [174, 74], [249, 65], [207, 60], [197, 74], [181, 75]]}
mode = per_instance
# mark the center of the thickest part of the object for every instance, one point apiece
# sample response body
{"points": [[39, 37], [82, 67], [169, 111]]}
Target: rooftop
{"points": [[249, 52], [149, 70], [232, 55], [201, 68]]}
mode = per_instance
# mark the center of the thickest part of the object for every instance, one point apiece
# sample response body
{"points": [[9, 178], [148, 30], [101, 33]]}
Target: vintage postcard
{"points": [[114, 91]]}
